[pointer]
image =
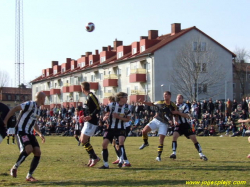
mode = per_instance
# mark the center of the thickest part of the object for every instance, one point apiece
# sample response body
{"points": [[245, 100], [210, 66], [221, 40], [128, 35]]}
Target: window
{"points": [[204, 67], [63, 70], [55, 71], [71, 80], [109, 72], [204, 88], [92, 78], [195, 46], [72, 67], [77, 97], [36, 89], [148, 66], [17, 97], [203, 46], [119, 71], [55, 85], [90, 62], [9, 97], [43, 75], [136, 87], [128, 90], [120, 54], [82, 64], [197, 66], [142, 48], [234, 95], [101, 76], [234, 85], [101, 95], [103, 59], [127, 71], [85, 79], [47, 73], [134, 50]]}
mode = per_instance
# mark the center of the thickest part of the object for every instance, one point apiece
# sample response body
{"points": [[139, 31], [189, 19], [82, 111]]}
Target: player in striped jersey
{"points": [[184, 127], [119, 114], [91, 108], [27, 142], [160, 121]]}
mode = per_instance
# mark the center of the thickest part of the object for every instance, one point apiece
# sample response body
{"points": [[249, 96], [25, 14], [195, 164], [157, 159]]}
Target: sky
{"points": [[55, 29]]}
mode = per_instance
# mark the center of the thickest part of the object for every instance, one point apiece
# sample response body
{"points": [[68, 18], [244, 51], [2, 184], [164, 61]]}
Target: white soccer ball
{"points": [[90, 27]]}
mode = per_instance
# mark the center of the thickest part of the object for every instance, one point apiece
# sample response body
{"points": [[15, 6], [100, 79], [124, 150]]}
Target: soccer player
{"points": [[118, 113], [11, 130], [183, 127], [27, 142], [245, 121], [160, 121], [91, 108]]}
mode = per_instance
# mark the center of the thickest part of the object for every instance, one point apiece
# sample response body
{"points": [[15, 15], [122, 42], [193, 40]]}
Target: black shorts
{"points": [[110, 134], [77, 132], [127, 131], [26, 139], [185, 129]]}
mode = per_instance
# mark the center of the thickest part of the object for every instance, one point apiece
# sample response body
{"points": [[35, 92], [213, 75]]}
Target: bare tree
{"points": [[196, 71], [4, 78], [239, 67]]}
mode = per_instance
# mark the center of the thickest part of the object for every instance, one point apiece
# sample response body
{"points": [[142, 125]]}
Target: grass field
{"points": [[63, 163]]}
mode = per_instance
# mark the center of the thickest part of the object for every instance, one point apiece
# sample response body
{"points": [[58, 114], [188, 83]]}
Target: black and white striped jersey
{"points": [[29, 114], [123, 111], [183, 108]]}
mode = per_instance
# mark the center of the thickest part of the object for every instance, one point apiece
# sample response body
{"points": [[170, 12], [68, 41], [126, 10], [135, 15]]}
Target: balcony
{"points": [[108, 94], [136, 95], [55, 91], [75, 88], [93, 85], [137, 75], [65, 88], [47, 93], [110, 80]]}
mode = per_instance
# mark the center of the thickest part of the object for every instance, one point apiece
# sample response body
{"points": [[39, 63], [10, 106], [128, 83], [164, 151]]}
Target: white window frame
{"points": [[143, 48], [120, 54], [134, 50], [103, 58], [82, 64], [90, 62]]}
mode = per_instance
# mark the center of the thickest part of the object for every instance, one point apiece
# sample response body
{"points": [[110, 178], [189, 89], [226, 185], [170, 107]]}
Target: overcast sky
{"points": [[55, 29]]}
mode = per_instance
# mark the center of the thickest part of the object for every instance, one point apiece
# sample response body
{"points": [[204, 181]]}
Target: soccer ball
{"points": [[90, 27]]}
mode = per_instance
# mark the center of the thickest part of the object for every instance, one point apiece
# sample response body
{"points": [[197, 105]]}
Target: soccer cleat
{"points": [[94, 162], [79, 143], [203, 157], [104, 167], [126, 165], [119, 164], [90, 161], [31, 179], [116, 162], [248, 156], [158, 159], [13, 172], [173, 156], [143, 146]]}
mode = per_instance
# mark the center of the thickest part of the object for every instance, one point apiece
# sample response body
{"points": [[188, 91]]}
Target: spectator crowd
{"points": [[207, 118]]}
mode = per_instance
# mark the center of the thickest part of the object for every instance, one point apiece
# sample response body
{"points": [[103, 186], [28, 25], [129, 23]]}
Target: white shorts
{"points": [[11, 131], [155, 124], [89, 129]]}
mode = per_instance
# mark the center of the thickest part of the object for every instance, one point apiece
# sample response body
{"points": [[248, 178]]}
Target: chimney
{"points": [[152, 34], [117, 44], [88, 53], [53, 63], [143, 37], [109, 48], [96, 52], [175, 28], [104, 48], [68, 60]]}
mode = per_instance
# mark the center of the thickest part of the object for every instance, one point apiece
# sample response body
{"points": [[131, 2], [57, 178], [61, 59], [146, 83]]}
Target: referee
{"points": [[27, 142]]}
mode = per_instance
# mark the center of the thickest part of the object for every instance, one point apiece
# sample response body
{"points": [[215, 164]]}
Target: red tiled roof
{"points": [[163, 40]]}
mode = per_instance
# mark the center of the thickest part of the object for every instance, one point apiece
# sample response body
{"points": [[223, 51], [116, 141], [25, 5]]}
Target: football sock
{"points": [[174, 146], [160, 149], [77, 138], [116, 151], [88, 147], [20, 159], [105, 155], [198, 147], [13, 139], [122, 153], [145, 139], [8, 139], [34, 164]]}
